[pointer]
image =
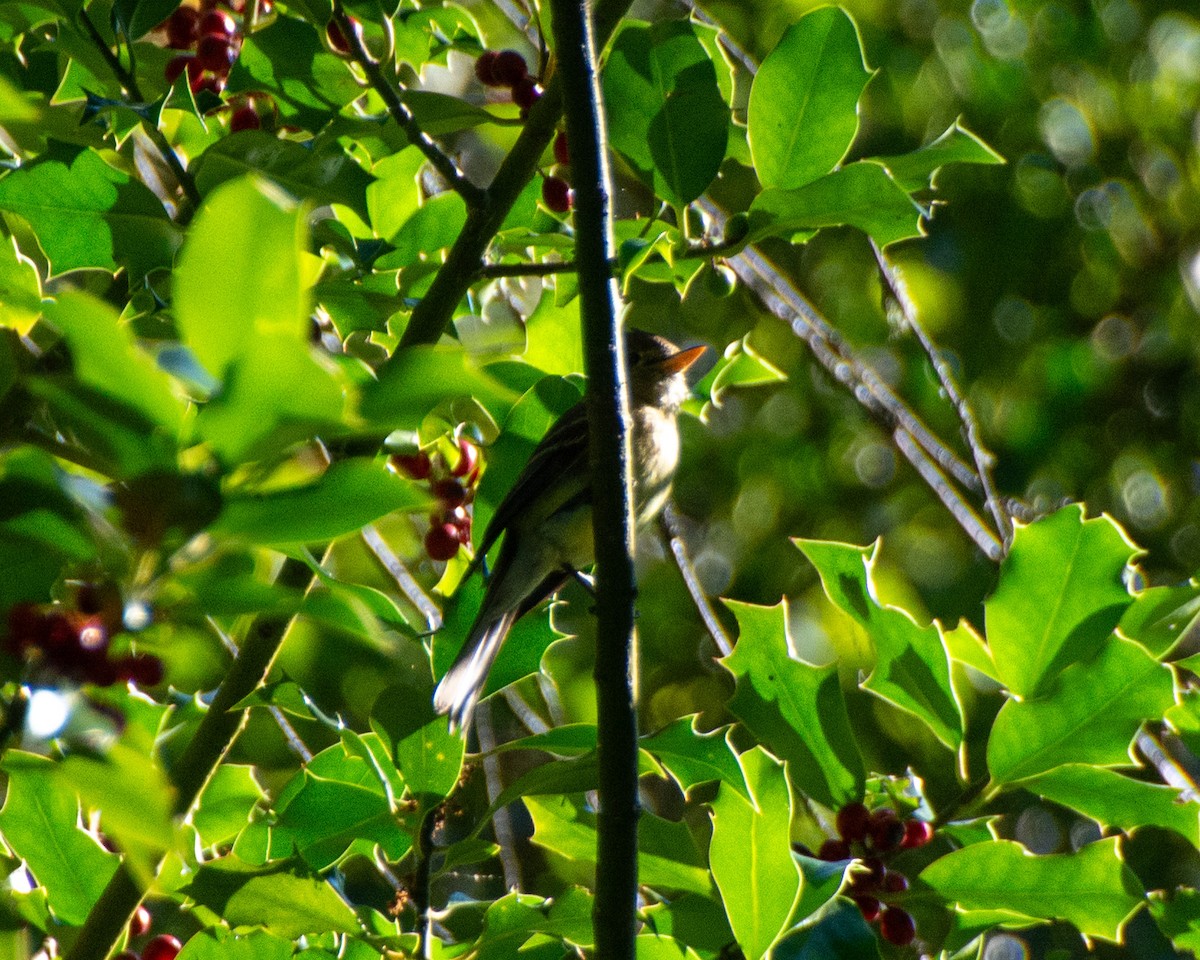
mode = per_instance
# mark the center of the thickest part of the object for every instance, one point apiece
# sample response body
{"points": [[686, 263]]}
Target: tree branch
{"points": [[615, 912], [982, 457], [213, 737], [669, 523], [465, 258], [400, 112]]}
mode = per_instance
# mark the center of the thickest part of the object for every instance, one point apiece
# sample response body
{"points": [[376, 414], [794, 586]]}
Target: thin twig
{"points": [[475, 197], [982, 457], [129, 84], [669, 523], [491, 271], [502, 820], [404, 580]]}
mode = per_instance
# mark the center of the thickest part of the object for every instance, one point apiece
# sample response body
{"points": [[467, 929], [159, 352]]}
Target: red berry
{"points": [[214, 52], [468, 458], [217, 23], [175, 67], [337, 39], [139, 923], [834, 850], [869, 906], [885, 829], [561, 153], [441, 542], [26, 626], [182, 28], [416, 465], [450, 492], [462, 522], [895, 927], [557, 194], [485, 68], [509, 68], [871, 877], [244, 118], [894, 882], [144, 669], [917, 833], [852, 822], [162, 947], [526, 92], [60, 639]]}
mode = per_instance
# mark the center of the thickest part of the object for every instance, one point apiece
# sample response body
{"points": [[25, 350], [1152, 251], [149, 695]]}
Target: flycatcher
{"points": [[546, 518]]}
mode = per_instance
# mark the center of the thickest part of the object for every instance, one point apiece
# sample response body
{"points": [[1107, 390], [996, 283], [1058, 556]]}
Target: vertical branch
{"points": [[615, 914]]}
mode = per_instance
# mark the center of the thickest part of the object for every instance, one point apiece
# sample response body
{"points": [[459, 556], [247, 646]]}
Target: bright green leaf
{"points": [[751, 854], [20, 289], [1179, 918], [1090, 717], [693, 757], [348, 496], [803, 104], [795, 709], [1092, 888], [428, 756], [673, 121], [1059, 597], [416, 380], [1160, 616], [217, 943], [912, 668], [917, 170], [225, 805]]}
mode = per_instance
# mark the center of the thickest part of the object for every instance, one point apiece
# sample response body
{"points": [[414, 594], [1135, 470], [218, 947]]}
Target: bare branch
{"points": [[669, 524]]}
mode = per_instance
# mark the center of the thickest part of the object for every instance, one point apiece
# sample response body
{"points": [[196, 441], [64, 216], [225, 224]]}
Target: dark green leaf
{"points": [[693, 757], [1059, 597], [1179, 918], [40, 824], [751, 854], [428, 756], [323, 173], [287, 902], [841, 933], [673, 121], [1093, 888], [912, 668], [1091, 716], [139, 17], [692, 919], [1160, 616], [88, 214], [803, 104], [860, 195], [416, 380], [794, 708], [348, 496]]}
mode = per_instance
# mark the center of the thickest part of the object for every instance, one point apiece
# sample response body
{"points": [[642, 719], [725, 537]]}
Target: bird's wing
{"points": [[556, 473]]}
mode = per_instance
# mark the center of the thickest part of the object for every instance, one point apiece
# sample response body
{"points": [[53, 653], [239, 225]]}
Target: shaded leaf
{"points": [[918, 169], [693, 757]]}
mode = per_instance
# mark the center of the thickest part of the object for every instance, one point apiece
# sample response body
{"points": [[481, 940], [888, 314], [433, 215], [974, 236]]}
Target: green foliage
{"points": [[206, 386]]}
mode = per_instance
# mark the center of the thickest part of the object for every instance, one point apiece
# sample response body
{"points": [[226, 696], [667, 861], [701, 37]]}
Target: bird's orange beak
{"points": [[678, 362]]}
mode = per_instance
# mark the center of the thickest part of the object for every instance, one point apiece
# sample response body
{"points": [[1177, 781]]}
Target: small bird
{"points": [[547, 515]]}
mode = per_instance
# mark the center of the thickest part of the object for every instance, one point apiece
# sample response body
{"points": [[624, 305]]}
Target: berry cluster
{"points": [[162, 947], [873, 836], [212, 40], [507, 68], [74, 643], [454, 486]]}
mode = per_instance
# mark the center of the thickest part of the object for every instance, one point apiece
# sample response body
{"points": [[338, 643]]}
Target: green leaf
{"points": [[693, 757], [917, 170], [416, 380], [225, 805], [912, 667], [288, 60], [40, 824], [691, 919], [1114, 800], [323, 173], [433, 226], [1090, 717], [512, 920], [1092, 889], [87, 214], [395, 194], [803, 104], [860, 195], [1060, 595], [795, 709], [428, 756], [105, 357], [255, 234], [751, 854], [139, 17], [673, 122], [841, 933], [822, 879], [649, 946], [286, 902], [740, 366], [1160, 616], [667, 853], [345, 498], [20, 289], [1179, 918], [217, 943]]}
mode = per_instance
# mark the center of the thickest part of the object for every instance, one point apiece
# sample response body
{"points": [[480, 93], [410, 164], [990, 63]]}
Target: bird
{"points": [[546, 518]]}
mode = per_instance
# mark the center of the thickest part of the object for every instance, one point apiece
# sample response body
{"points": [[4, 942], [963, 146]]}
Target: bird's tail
{"points": [[460, 688]]}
